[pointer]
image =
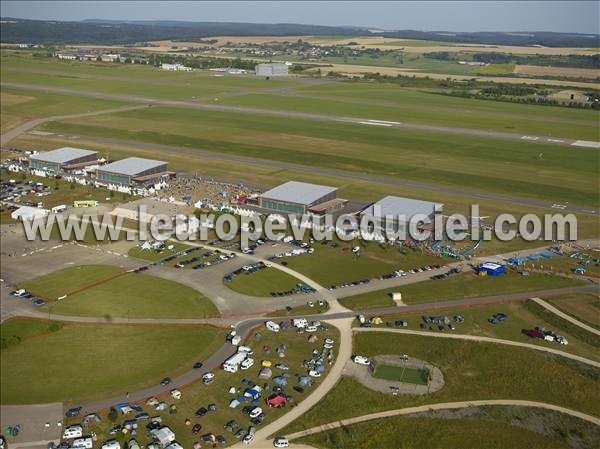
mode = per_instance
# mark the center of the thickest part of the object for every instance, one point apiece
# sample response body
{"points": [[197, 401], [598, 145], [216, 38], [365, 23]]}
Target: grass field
{"points": [[471, 371], [521, 315], [198, 395], [583, 307], [491, 427], [86, 362], [401, 374], [464, 285], [262, 283], [99, 290], [152, 255], [330, 265]]}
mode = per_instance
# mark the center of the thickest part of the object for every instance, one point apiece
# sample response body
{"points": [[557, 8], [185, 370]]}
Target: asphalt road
{"points": [[295, 114]]}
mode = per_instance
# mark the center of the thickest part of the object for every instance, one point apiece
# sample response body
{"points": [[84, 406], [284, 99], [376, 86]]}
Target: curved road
{"points": [[565, 316], [443, 406], [480, 339]]}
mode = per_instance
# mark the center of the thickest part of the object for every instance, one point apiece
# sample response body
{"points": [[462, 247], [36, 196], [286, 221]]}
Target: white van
{"points": [[58, 209], [72, 432], [247, 363], [236, 340], [299, 322], [82, 443], [272, 326], [111, 444]]}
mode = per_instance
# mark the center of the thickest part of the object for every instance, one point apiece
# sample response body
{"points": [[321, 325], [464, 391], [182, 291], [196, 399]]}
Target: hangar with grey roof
{"points": [[132, 171], [62, 159], [401, 209], [296, 197]]}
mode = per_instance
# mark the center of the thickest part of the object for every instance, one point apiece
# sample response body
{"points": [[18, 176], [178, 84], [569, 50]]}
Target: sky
{"points": [[559, 16]]}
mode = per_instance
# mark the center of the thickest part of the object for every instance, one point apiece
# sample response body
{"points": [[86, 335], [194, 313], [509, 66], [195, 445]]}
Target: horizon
{"points": [[452, 16]]}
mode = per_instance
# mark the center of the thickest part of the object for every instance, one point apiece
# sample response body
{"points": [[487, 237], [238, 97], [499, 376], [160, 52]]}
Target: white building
{"points": [[110, 58], [176, 67], [273, 69], [25, 213]]}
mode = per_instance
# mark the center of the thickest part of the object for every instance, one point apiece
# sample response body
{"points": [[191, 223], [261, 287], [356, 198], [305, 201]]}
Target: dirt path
{"points": [[565, 316], [443, 406], [482, 340], [27, 126]]}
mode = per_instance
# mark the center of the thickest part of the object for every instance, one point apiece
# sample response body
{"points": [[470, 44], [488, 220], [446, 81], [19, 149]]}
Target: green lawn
{"points": [[521, 315], [97, 290], [465, 285], [84, 362], [262, 283], [584, 307], [401, 374], [331, 265], [198, 395], [152, 255], [471, 371], [423, 432]]}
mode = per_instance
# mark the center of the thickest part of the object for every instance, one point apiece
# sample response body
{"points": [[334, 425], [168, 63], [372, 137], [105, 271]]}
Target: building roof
{"points": [[298, 192], [131, 166], [62, 155], [395, 205], [273, 64]]}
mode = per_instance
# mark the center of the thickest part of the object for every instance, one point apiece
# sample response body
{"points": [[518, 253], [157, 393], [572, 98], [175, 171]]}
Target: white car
{"points": [[176, 394], [246, 349], [255, 412], [310, 328], [246, 364], [272, 326], [314, 373], [328, 346], [208, 378], [361, 360], [248, 438], [281, 442], [329, 341]]}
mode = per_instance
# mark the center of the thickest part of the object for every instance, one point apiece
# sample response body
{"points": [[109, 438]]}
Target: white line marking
{"points": [[385, 121], [556, 140], [529, 138], [586, 143], [374, 123]]}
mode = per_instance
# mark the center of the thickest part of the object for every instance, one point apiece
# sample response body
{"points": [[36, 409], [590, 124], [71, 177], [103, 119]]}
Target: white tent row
{"points": [[15, 168]]}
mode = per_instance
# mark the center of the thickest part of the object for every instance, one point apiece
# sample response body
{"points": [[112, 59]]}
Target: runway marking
{"points": [[375, 123], [530, 138], [556, 140], [586, 143], [385, 121]]}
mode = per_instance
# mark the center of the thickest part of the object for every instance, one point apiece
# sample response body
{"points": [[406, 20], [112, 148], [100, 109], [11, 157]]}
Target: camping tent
{"points": [[277, 401]]}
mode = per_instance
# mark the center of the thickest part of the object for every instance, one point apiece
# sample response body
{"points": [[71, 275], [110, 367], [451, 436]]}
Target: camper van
{"points": [[59, 209], [300, 323], [232, 364], [272, 326], [111, 444], [72, 432], [82, 443]]}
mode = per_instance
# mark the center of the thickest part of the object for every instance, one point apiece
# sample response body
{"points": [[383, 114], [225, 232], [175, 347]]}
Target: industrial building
{"points": [[296, 197], [62, 159], [402, 209], [272, 69], [133, 171]]}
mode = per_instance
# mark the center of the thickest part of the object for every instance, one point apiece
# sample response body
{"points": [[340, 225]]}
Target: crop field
{"points": [[99, 290], [101, 360], [471, 371], [583, 307], [521, 315], [466, 285]]}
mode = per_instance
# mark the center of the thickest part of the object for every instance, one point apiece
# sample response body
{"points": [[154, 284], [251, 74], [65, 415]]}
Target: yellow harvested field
{"points": [[557, 71], [355, 69], [7, 99]]}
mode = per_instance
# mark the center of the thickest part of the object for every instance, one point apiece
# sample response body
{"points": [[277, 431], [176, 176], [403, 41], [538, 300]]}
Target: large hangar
{"points": [[132, 171], [401, 209], [62, 159], [295, 197]]}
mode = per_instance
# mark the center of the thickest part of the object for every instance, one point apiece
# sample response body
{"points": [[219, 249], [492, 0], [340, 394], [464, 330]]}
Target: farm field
{"points": [[585, 308], [471, 371], [199, 395], [103, 360], [465, 285], [262, 283], [99, 290], [521, 315]]}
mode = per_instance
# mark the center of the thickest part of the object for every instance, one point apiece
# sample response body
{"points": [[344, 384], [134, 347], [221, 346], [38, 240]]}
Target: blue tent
{"points": [[280, 380], [234, 403]]}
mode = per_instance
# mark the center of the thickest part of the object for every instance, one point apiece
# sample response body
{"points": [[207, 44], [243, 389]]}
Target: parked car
{"points": [[166, 381], [361, 360], [198, 365], [281, 442]]}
